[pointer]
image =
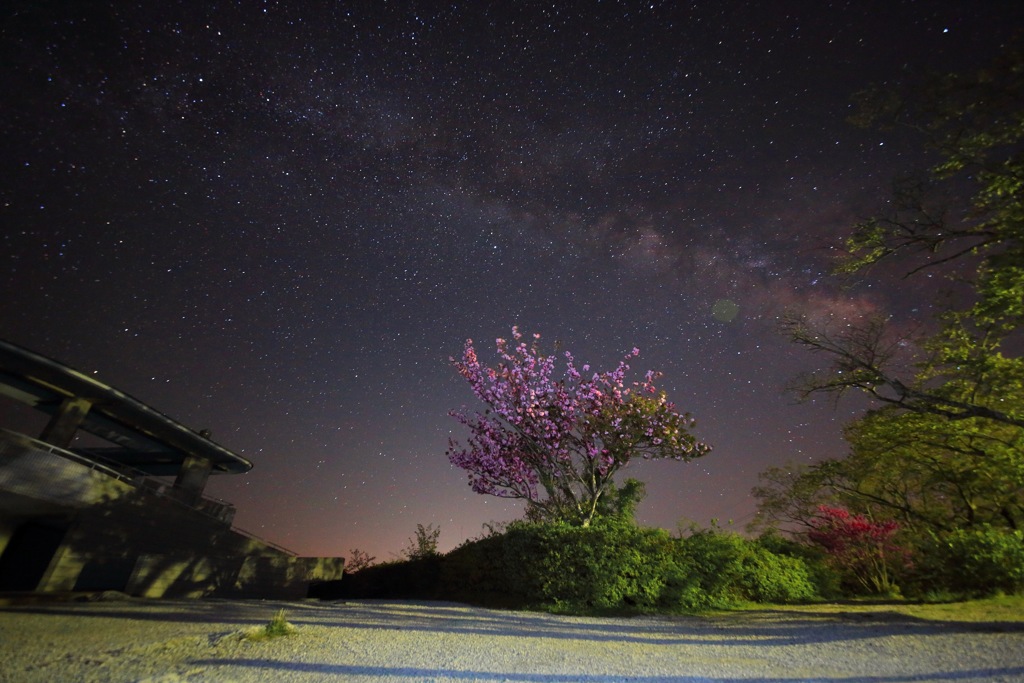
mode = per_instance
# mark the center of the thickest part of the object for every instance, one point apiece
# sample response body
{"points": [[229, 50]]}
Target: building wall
{"points": [[37, 475], [156, 547], [103, 533]]}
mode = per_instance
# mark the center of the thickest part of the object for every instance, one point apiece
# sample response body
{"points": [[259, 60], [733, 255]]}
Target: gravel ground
{"points": [[176, 641]]}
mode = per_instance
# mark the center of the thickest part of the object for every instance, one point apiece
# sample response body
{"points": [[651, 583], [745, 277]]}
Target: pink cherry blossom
{"points": [[557, 441]]}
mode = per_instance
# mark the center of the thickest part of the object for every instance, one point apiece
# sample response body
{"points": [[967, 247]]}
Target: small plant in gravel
{"points": [[277, 627]]}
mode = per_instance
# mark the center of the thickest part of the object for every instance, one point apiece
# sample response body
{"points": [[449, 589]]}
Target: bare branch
{"points": [[860, 359]]}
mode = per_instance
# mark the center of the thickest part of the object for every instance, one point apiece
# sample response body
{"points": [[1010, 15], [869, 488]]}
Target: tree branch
{"points": [[859, 360]]}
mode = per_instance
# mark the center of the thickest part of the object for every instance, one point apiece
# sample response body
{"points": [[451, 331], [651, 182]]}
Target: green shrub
{"points": [[711, 563], [768, 577], [477, 572], [719, 569], [825, 581], [611, 566], [604, 567], [973, 562]]}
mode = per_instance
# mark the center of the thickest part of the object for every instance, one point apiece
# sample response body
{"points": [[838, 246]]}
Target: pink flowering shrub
{"points": [[557, 441], [858, 548]]}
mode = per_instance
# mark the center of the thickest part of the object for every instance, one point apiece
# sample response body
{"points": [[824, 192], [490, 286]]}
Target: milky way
{"points": [[279, 220]]}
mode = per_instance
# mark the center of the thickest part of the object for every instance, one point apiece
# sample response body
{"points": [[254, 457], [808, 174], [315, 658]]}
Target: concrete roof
{"points": [[140, 436]]}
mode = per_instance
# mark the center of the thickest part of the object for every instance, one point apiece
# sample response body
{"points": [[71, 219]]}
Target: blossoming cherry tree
{"points": [[557, 441]]}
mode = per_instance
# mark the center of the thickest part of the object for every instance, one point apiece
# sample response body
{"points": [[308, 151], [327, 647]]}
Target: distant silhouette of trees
{"points": [[357, 560], [424, 544]]}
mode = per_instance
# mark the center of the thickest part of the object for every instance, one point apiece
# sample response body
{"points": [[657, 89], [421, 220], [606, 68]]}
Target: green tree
{"points": [[617, 503], [964, 217], [940, 474], [945, 451], [788, 496], [931, 474]]}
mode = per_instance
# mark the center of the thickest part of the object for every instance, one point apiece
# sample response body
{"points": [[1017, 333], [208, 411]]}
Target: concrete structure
{"points": [[109, 496]]}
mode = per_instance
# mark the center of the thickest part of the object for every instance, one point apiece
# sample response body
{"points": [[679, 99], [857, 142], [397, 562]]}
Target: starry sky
{"points": [[278, 220]]}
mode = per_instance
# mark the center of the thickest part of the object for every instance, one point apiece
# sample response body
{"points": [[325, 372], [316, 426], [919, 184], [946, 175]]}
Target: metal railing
{"points": [[133, 477], [250, 535], [211, 507]]}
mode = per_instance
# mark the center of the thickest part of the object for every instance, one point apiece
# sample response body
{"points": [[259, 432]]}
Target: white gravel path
{"points": [[175, 641]]}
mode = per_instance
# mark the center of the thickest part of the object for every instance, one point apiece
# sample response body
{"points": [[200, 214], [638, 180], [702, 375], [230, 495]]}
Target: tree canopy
{"points": [[964, 217], [930, 474], [944, 451], [557, 442]]}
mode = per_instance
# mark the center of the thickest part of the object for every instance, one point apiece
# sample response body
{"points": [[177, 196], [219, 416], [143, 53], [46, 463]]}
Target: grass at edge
{"points": [[1002, 608]]}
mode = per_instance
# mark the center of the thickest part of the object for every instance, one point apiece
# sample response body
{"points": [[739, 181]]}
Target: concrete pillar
{"points": [[62, 427], [65, 564], [63, 571], [191, 480]]}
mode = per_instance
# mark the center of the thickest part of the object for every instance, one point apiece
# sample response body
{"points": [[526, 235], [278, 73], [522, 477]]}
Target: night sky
{"points": [[277, 221]]}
